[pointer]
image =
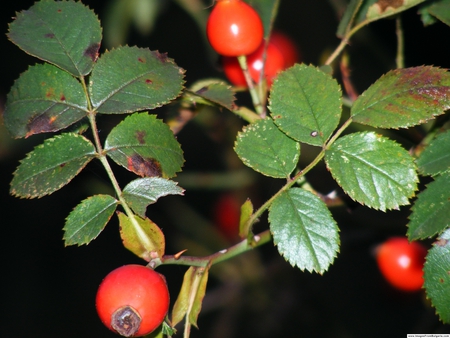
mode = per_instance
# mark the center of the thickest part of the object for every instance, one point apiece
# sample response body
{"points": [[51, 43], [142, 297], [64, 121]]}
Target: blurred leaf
{"points": [[304, 230], [142, 237], [437, 277], [210, 91], [267, 10], [146, 146], [435, 158], [348, 18], [425, 16], [373, 170], [441, 10], [144, 191], [305, 103], [65, 33], [44, 99], [88, 219], [246, 213], [52, 165], [129, 79], [190, 298], [265, 149], [403, 98], [431, 211], [384, 8]]}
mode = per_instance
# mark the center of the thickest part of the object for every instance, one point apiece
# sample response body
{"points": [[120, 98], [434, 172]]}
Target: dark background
{"points": [[49, 290]]}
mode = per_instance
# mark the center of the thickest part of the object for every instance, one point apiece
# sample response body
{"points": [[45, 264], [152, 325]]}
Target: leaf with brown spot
{"points": [[43, 99], [384, 8], [145, 145], [403, 98], [65, 33]]}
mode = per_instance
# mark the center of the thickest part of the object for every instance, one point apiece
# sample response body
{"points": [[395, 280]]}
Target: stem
{"points": [[251, 87], [400, 60]]}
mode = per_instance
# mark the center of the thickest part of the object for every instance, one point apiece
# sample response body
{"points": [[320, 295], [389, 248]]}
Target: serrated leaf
{"points": [[304, 230], [144, 191], [266, 149], [190, 298], [435, 159], [65, 33], [43, 99], [211, 91], [305, 103], [88, 219], [129, 79], [373, 170], [403, 98], [142, 237], [52, 165], [431, 211], [382, 8], [437, 276], [146, 146], [441, 10]]}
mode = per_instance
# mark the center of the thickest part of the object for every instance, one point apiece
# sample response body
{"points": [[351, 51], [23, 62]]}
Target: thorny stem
{"points": [[102, 157]]}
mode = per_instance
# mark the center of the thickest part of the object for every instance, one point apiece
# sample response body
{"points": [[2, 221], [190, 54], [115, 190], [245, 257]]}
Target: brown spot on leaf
{"points": [[202, 90], [40, 124], [50, 92], [140, 136], [92, 51], [142, 60], [49, 35], [384, 4], [144, 167], [441, 242], [62, 98], [441, 280], [148, 81], [161, 56], [62, 165]]}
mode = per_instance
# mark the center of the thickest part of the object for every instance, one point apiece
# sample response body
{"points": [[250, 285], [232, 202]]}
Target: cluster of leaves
{"points": [[305, 106]]}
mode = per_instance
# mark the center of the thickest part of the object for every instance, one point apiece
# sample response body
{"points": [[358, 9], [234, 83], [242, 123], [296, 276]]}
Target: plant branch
{"points": [[400, 59], [251, 87]]}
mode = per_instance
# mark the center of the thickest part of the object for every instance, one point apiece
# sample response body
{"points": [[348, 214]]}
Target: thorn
{"points": [[178, 255]]}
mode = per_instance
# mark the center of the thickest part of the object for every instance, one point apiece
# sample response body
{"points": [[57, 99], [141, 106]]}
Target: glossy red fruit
{"points": [[287, 47], [274, 64], [132, 300], [227, 213], [401, 263], [234, 28]]}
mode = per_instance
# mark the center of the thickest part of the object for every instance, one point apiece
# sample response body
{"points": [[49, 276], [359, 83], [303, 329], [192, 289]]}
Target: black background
{"points": [[49, 290]]}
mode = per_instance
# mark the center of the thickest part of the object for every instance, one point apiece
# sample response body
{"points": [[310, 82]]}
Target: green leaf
{"points": [[211, 91], [437, 277], [44, 99], [88, 219], [435, 159], [142, 237], [349, 16], [146, 146], [266, 149], [267, 10], [373, 170], [304, 230], [144, 191], [382, 8], [52, 165], [246, 213], [65, 33], [441, 10], [305, 103], [403, 98], [190, 298], [431, 211], [129, 79]]}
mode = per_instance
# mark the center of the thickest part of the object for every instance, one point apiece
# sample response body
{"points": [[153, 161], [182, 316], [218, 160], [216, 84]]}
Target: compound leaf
{"points": [[304, 230], [435, 159], [142, 237], [65, 33], [44, 99], [129, 79], [373, 170], [144, 191], [437, 276], [431, 211], [52, 165], [266, 149], [305, 103], [88, 219], [146, 146], [403, 98]]}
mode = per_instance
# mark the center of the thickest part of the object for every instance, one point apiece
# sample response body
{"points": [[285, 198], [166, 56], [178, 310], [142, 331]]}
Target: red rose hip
{"points": [[132, 300]]}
